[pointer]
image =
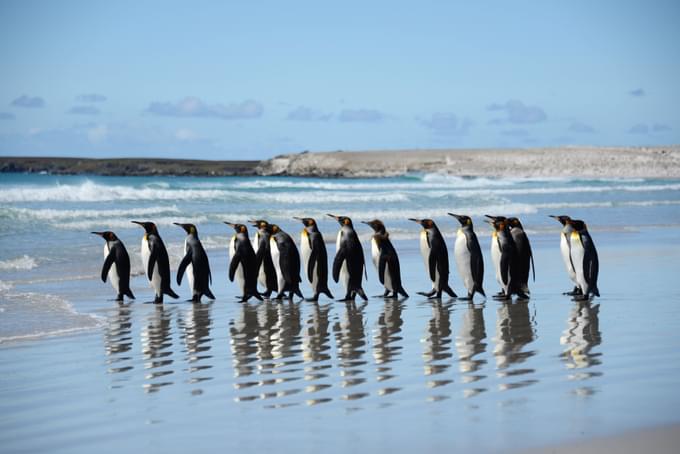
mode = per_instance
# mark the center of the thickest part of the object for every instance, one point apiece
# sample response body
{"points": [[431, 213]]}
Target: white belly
{"points": [[113, 271], [155, 276], [189, 269], [375, 253], [240, 279], [564, 248], [463, 261], [425, 252], [306, 252], [496, 258], [577, 254], [276, 256], [344, 274]]}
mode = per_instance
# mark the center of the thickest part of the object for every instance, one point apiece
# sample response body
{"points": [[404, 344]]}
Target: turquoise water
{"points": [[80, 373]]}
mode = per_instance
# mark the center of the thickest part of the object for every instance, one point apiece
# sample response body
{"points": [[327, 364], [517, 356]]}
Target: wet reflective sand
{"points": [[404, 375]]}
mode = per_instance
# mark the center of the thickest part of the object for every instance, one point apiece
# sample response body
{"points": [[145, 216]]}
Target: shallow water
{"points": [[408, 375]]}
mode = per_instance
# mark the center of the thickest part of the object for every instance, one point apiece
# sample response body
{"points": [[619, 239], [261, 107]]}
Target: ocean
{"points": [[401, 375]]}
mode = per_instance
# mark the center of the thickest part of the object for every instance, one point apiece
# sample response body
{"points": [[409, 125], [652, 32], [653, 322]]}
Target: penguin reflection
{"points": [[438, 342], [470, 343], [581, 335], [157, 347], [243, 334], [196, 334], [351, 340], [514, 331], [286, 334], [118, 339], [386, 341], [315, 348]]}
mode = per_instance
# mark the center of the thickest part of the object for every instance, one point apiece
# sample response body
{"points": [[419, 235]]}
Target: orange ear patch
{"points": [[346, 221]]}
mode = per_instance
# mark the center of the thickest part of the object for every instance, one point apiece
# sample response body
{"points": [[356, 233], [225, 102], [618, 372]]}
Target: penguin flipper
{"points": [[382, 264], [153, 258], [337, 264], [107, 265], [505, 268], [313, 257], [235, 261], [182, 267], [432, 262]]}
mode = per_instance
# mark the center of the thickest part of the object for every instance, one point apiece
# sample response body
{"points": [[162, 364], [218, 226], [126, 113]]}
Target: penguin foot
{"points": [[574, 292], [158, 300], [502, 297], [465, 298], [119, 297], [313, 299], [428, 294], [524, 296], [501, 293]]}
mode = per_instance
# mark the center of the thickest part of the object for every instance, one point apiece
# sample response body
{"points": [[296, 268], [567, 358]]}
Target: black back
{"points": [[289, 262], [264, 259], [439, 258], [319, 257], [196, 255], [476, 258], [388, 256], [524, 255], [352, 253], [591, 262], [159, 257], [118, 255], [245, 254]]}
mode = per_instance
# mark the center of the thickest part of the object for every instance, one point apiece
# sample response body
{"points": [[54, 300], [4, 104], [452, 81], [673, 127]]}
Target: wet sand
{"points": [[387, 376]]}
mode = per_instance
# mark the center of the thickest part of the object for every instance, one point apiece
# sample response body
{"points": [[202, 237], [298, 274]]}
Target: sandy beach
{"points": [[593, 162], [580, 162]]}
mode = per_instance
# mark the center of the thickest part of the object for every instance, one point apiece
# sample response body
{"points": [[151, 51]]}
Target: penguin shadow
{"points": [[514, 332], [437, 352], [579, 338]]}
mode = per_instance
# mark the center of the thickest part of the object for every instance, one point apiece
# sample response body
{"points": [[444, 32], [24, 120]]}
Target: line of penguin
{"points": [[273, 261]]}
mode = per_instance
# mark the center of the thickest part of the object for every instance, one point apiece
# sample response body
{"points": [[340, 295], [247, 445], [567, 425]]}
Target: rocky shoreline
{"points": [[587, 162]]}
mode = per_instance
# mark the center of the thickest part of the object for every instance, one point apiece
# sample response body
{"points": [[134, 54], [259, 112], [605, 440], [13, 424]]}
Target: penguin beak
{"points": [[98, 233], [493, 218], [457, 216], [231, 224], [184, 226], [333, 216], [299, 219], [138, 223], [415, 220]]}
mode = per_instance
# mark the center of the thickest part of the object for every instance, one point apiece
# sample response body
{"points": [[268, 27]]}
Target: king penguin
{"points": [[349, 264], [386, 260], [565, 249], [314, 258], [436, 257], [266, 274], [584, 259], [525, 257], [503, 257], [243, 263], [116, 265], [196, 265], [156, 262], [469, 260], [286, 259]]}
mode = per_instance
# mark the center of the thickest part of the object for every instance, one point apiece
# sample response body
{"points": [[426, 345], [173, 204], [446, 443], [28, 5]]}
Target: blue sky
{"points": [[246, 80]]}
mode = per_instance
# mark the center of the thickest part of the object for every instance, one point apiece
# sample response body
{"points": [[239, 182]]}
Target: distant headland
{"points": [[572, 162]]}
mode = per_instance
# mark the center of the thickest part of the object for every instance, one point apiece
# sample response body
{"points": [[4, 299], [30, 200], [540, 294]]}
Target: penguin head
{"points": [[561, 219], [189, 228], [238, 228], [495, 218], [307, 222], [342, 220], [149, 227], [514, 222], [377, 225], [498, 223], [260, 224], [578, 225], [274, 228], [108, 236], [463, 219], [426, 223]]}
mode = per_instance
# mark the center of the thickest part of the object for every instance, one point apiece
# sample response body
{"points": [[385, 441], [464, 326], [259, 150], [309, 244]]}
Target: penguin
{"points": [[286, 259], [243, 263], [266, 274], [314, 258], [349, 264], [525, 257], [469, 260], [196, 265], [436, 257], [156, 262], [584, 259], [565, 249], [116, 265], [386, 260], [504, 257]]}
